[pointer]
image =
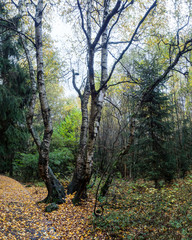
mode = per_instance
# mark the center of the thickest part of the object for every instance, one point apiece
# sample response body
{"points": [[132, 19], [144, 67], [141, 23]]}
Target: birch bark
{"points": [[30, 113], [97, 99], [85, 162], [90, 126], [78, 183], [55, 189]]}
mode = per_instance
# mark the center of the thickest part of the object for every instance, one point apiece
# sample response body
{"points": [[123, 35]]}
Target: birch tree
{"points": [[98, 34], [110, 17], [55, 189]]}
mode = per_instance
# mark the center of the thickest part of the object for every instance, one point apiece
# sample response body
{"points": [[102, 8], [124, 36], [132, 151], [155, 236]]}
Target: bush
{"points": [[25, 166], [66, 134], [62, 162], [136, 210]]}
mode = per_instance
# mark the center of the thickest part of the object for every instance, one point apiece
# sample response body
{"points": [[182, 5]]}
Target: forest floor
{"points": [[22, 218], [132, 210]]}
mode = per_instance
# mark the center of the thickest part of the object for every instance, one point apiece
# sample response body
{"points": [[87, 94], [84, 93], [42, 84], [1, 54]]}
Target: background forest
{"points": [[161, 144], [108, 100], [118, 95]]}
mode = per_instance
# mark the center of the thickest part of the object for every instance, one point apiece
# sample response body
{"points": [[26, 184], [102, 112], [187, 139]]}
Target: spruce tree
{"points": [[14, 93], [154, 128]]}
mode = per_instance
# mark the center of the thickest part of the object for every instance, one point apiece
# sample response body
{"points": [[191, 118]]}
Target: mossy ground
{"points": [[139, 211]]}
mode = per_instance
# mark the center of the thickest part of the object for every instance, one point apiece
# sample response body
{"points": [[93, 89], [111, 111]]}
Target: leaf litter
{"points": [[22, 218]]}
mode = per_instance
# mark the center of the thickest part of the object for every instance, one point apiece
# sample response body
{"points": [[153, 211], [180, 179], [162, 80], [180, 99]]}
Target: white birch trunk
{"points": [[44, 148], [97, 101], [79, 173], [78, 182], [55, 189], [84, 162], [30, 113]]}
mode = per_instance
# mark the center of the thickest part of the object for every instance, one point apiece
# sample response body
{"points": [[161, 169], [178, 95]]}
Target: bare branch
{"points": [[15, 30], [14, 3], [128, 4], [111, 43], [119, 42], [109, 101], [115, 84], [32, 16], [119, 14], [129, 44], [188, 60], [183, 73], [82, 21], [95, 21], [126, 70], [74, 83], [180, 29], [7, 21], [185, 49], [106, 22], [44, 8], [32, 2]]}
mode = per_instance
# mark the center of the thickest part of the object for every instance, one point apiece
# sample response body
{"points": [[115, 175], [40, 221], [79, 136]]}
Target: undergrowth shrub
{"points": [[25, 166], [139, 211]]}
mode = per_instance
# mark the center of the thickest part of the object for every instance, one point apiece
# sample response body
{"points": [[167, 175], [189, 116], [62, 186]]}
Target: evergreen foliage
{"points": [[154, 129], [183, 148], [25, 165], [14, 94]]}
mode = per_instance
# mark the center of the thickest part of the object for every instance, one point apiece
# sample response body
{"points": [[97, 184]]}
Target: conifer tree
{"points": [[14, 93], [154, 129]]}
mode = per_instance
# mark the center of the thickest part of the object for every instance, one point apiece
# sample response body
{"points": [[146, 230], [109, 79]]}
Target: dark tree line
{"points": [[14, 96]]}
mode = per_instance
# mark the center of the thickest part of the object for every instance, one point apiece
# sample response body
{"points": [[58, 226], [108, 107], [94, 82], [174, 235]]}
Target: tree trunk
{"points": [[97, 96], [78, 177], [107, 184], [11, 158], [78, 183], [55, 189], [131, 137], [97, 100], [89, 130]]}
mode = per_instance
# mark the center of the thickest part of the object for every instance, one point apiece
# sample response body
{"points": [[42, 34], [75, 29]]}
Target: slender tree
{"points": [[84, 162], [55, 189]]}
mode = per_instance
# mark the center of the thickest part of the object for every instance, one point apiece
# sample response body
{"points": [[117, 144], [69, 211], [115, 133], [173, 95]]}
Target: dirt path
{"points": [[20, 218]]}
